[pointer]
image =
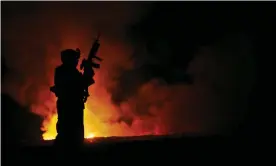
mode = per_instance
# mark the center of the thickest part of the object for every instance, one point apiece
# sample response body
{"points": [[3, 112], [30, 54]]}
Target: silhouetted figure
{"points": [[70, 86], [71, 89]]}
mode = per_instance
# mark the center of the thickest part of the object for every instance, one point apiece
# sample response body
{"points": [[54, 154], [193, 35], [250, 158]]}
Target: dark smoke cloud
{"points": [[176, 46], [224, 74]]}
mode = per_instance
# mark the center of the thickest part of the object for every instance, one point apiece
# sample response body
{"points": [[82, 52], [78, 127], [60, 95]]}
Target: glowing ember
{"points": [[91, 135]]}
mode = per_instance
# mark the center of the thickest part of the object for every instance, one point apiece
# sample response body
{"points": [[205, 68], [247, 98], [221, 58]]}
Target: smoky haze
{"points": [[135, 100]]}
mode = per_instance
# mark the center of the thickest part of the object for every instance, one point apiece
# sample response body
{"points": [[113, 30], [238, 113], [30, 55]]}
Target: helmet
{"points": [[70, 55]]}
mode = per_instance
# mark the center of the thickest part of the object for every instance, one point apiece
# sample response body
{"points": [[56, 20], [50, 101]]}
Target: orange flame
{"points": [[51, 132], [93, 126], [98, 111]]}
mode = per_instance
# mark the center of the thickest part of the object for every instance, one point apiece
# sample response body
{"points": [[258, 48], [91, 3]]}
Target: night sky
{"points": [[185, 67]]}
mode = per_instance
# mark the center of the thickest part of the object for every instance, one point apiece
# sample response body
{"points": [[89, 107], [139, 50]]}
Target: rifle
{"points": [[92, 54], [88, 64]]}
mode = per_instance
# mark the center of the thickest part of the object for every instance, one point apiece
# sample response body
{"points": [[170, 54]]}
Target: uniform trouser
{"points": [[70, 128]]}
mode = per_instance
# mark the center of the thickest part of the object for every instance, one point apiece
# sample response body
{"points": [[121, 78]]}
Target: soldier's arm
{"points": [[58, 80], [87, 78]]}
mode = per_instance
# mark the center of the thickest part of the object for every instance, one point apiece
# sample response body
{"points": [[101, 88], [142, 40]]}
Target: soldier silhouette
{"points": [[70, 88]]}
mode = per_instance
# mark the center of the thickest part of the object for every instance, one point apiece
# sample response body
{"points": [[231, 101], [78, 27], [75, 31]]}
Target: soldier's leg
{"points": [[80, 128], [62, 127]]}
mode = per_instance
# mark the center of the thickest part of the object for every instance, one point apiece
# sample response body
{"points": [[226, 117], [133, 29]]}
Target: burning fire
{"points": [[97, 114], [89, 131], [51, 132], [96, 122]]}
